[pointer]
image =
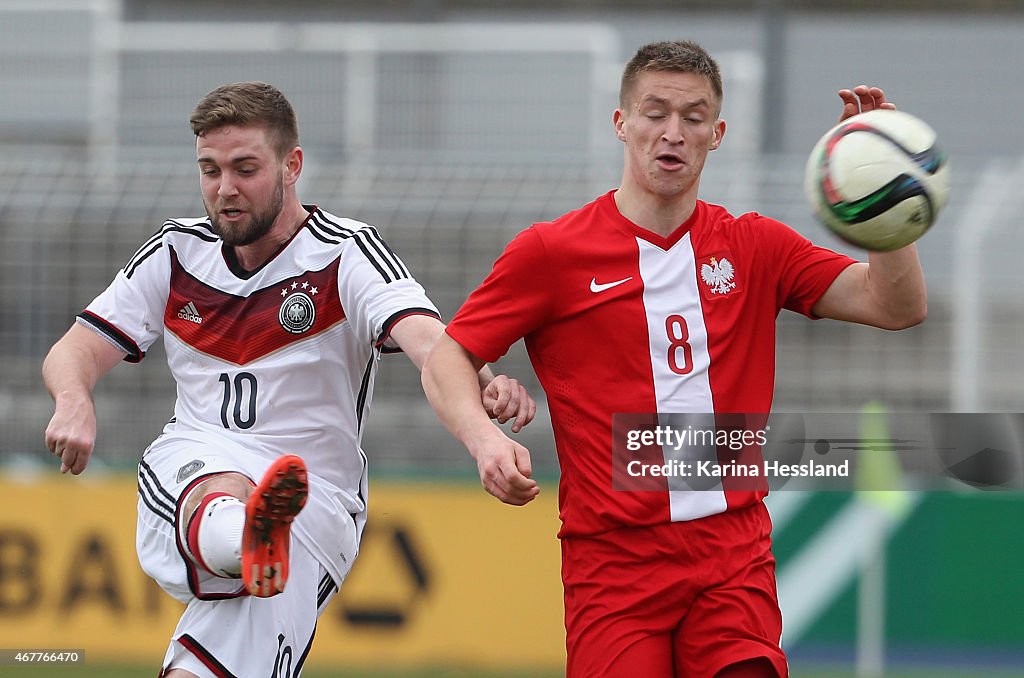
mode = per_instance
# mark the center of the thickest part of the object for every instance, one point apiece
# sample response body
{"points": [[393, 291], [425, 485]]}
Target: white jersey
{"points": [[280, 359]]}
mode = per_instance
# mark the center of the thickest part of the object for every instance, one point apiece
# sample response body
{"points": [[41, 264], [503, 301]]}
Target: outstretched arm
{"points": [[889, 290], [502, 397], [449, 380], [70, 372]]}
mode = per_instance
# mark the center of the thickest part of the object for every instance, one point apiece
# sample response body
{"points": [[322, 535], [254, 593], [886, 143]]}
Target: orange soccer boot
{"points": [[266, 540]]}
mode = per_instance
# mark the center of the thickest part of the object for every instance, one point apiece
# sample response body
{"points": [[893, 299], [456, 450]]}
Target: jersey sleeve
{"points": [[511, 302], [377, 290], [806, 270], [130, 312]]}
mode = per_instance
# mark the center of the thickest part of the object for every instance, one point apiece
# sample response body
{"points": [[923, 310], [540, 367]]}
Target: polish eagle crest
{"points": [[718, 275]]}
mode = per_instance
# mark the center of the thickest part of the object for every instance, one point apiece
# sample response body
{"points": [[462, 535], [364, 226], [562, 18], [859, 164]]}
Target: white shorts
{"points": [[266, 634], [247, 636]]}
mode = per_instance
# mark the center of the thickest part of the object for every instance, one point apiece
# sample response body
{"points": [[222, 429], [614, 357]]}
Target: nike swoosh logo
{"points": [[601, 287]]}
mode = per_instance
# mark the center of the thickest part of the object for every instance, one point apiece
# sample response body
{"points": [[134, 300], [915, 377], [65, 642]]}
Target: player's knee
{"points": [[235, 484], [212, 521]]}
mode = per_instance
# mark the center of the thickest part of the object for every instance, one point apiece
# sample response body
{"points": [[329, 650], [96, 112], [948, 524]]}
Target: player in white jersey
{"points": [[646, 301], [273, 315]]}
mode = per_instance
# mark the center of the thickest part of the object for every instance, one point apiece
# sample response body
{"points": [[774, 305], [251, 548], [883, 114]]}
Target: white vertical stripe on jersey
{"points": [[670, 289]]}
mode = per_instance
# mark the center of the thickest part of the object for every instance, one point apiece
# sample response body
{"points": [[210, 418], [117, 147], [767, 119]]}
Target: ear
{"points": [[719, 134], [292, 165], [619, 119]]}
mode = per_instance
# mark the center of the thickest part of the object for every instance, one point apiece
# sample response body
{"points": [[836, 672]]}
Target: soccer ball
{"points": [[878, 180]]}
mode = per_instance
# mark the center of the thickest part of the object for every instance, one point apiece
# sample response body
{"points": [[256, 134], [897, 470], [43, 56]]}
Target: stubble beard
{"points": [[242, 234]]}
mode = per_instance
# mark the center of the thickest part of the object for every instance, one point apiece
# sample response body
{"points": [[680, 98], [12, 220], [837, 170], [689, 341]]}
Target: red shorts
{"points": [[679, 599]]}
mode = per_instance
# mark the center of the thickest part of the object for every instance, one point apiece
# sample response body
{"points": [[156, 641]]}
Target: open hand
{"points": [[862, 99]]}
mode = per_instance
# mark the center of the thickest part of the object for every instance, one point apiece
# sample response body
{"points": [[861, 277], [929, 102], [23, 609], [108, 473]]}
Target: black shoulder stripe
{"points": [[374, 241], [394, 257], [373, 260], [200, 227], [372, 238], [329, 228], [153, 242], [332, 226], [129, 268], [325, 235], [156, 240], [156, 237], [202, 235], [369, 241], [172, 225], [322, 238]]}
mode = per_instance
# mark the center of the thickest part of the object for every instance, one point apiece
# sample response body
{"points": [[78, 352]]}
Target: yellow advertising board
{"points": [[447, 576]]}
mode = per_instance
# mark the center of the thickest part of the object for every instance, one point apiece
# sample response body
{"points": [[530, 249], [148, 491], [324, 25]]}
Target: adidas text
{"points": [[190, 313]]}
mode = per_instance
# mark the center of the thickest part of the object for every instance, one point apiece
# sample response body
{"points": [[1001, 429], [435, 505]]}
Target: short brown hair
{"points": [[248, 104], [680, 56]]}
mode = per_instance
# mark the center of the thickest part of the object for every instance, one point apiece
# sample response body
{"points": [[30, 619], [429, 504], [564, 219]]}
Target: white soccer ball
{"points": [[878, 180]]}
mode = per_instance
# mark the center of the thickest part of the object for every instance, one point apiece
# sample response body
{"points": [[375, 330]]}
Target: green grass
{"points": [[98, 671]]}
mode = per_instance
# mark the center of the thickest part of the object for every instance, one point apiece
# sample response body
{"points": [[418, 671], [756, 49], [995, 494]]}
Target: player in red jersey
{"points": [[274, 315], [649, 300]]}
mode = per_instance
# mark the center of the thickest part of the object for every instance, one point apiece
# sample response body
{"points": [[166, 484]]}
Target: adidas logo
{"points": [[190, 313]]}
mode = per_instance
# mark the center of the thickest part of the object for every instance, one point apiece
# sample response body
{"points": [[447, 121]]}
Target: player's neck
{"points": [[290, 220], [653, 213]]}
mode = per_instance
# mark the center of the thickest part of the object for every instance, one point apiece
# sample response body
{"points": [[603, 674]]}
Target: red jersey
{"points": [[618, 319]]}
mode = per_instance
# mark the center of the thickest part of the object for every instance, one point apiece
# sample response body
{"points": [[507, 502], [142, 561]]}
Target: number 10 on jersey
{"points": [[238, 406]]}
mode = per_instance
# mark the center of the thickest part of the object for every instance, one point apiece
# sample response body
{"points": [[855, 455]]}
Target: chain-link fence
{"points": [[64, 232]]}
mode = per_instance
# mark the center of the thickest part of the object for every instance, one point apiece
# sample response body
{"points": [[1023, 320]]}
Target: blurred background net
{"points": [[452, 135]]}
